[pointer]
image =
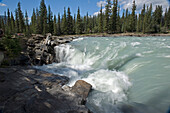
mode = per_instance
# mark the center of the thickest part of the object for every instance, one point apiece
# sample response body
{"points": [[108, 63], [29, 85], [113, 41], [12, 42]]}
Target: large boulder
{"points": [[81, 88]]}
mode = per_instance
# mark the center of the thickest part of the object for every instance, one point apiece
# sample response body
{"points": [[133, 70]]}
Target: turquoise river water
{"points": [[128, 74]]}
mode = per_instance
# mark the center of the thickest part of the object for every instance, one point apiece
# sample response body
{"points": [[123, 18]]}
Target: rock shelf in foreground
{"points": [[27, 90]]}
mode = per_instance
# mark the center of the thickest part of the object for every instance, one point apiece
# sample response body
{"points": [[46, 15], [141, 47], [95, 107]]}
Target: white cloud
{"points": [[96, 13], [103, 3], [1, 4], [124, 4], [128, 4]]}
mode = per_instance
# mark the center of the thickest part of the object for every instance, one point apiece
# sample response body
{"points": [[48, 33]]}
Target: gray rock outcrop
{"points": [[41, 48], [27, 90]]}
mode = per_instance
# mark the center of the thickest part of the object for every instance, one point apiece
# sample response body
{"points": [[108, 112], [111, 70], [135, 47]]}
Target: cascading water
{"points": [[112, 65]]}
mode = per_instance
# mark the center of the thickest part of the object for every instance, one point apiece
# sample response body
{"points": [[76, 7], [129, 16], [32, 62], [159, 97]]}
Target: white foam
{"points": [[135, 44], [78, 39], [106, 81], [168, 56]]}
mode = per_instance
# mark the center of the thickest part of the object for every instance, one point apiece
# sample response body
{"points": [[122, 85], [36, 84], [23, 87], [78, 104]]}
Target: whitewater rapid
{"points": [[106, 63]]}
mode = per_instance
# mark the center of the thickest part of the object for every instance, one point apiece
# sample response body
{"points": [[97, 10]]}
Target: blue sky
{"points": [[56, 5], [90, 6]]}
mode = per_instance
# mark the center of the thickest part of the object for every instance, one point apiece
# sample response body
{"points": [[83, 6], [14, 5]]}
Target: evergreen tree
{"points": [[43, 18], [114, 16], [21, 19], [157, 18], [64, 23], [147, 25], [27, 29], [8, 28], [58, 25], [101, 21], [33, 22], [133, 18], [123, 22], [74, 24], [37, 25], [142, 15], [16, 21], [78, 23], [69, 22], [107, 16], [168, 19], [118, 22], [12, 24], [127, 21], [55, 25], [87, 23], [50, 20]]}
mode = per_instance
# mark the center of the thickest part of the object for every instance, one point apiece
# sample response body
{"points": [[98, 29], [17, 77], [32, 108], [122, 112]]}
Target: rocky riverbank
{"points": [[40, 49], [27, 90]]}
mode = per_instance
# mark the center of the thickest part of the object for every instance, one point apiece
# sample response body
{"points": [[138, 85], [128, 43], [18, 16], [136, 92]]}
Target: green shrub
{"points": [[11, 46]]}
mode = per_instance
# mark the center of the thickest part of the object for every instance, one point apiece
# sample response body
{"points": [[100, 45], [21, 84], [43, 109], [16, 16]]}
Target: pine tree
{"points": [[107, 16], [87, 23], [157, 18], [21, 19], [74, 24], [58, 25], [138, 23], [148, 23], [78, 23], [12, 24], [8, 28], [123, 22], [43, 18], [16, 21], [64, 23], [50, 20], [133, 18], [37, 25], [69, 22], [101, 21], [55, 25], [118, 22], [114, 16], [127, 27], [45, 30], [168, 19], [33, 22], [27, 29], [142, 15]]}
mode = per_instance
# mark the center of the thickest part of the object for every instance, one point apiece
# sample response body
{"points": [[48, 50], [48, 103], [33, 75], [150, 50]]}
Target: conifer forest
{"points": [[110, 21]]}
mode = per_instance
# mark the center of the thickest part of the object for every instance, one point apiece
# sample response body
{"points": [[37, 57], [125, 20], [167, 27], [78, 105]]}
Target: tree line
{"points": [[109, 21]]}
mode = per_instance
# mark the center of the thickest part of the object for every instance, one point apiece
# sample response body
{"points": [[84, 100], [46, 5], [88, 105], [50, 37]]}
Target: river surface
{"points": [[128, 74]]}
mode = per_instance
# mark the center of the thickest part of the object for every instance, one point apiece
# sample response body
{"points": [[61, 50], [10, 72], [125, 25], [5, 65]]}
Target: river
{"points": [[128, 74]]}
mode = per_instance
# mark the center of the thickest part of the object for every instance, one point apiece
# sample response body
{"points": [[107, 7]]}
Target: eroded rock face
{"points": [[27, 90], [41, 48]]}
